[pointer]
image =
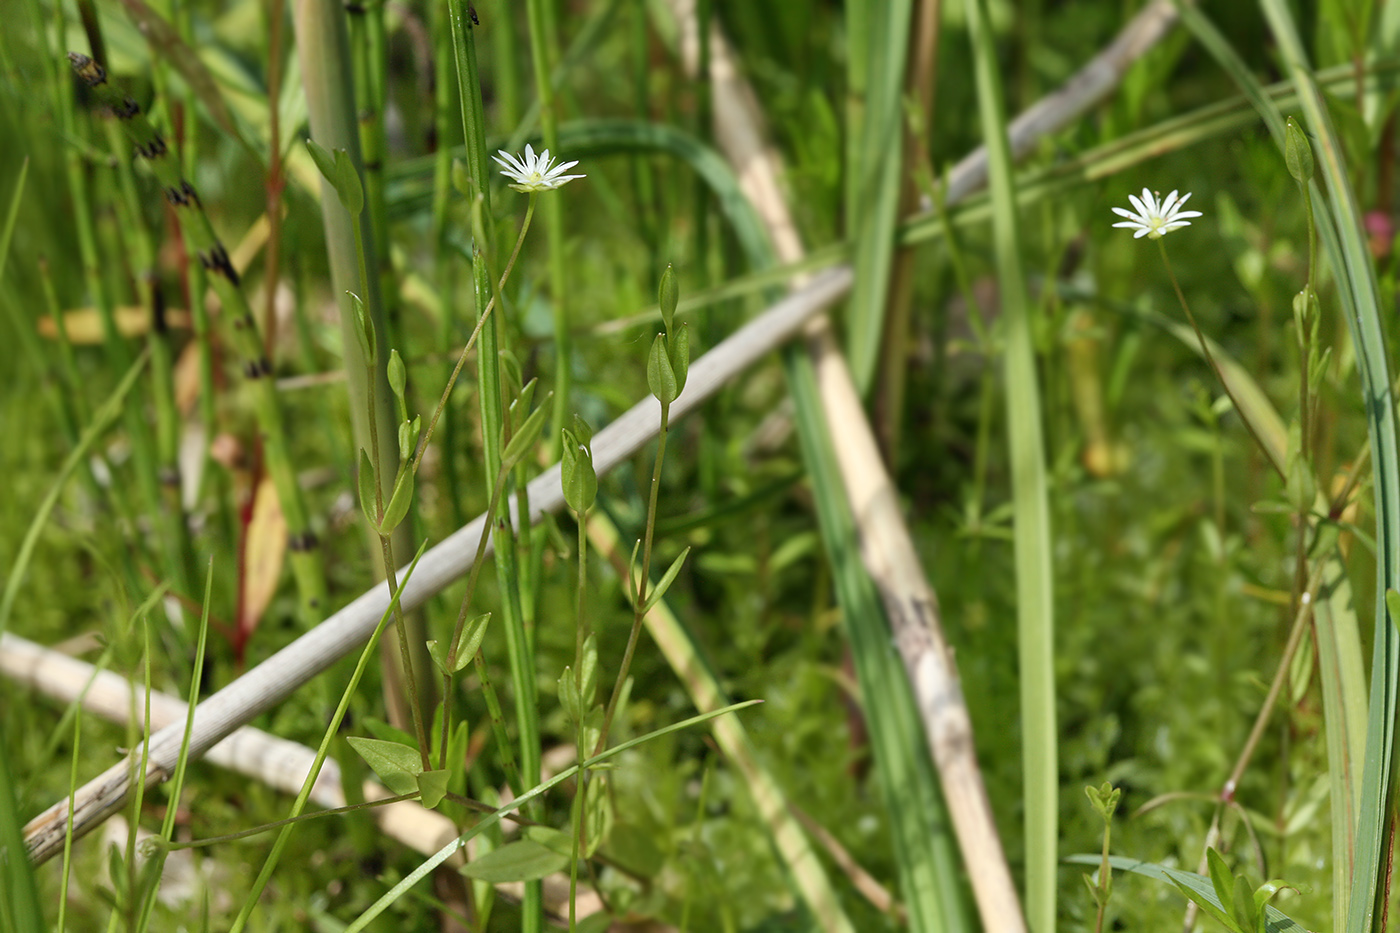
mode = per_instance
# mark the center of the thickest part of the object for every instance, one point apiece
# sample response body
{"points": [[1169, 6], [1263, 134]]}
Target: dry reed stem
{"points": [[886, 546], [282, 674]]}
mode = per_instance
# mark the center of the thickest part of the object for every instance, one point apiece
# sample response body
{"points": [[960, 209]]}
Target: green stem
{"points": [[1210, 357], [637, 614], [543, 55]]}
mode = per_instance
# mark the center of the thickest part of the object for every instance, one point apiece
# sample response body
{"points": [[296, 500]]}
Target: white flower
{"points": [[534, 172], [1154, 219]]}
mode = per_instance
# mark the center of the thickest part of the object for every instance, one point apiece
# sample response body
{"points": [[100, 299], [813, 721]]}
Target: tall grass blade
{"points": [[874, 154], [923, 846], [1035, 610]]}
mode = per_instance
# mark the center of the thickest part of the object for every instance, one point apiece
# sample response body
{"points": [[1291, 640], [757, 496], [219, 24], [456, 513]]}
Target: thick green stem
{"points": [[323, 50]]}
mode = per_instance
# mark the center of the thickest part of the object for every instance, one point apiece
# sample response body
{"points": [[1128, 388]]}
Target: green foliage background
{"points": [[1171, 582]]}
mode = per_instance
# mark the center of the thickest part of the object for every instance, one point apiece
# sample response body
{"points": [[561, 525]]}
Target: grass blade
{"points": [[873, 167], [1035, 610]]}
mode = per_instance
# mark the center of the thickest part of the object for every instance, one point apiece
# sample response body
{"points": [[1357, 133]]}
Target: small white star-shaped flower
{"points": [[534, 173], [1154, 219]]}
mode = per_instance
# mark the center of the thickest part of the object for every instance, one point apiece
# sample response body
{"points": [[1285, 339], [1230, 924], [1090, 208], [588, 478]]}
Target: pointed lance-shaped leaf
{"points": [[364, 329], [398, 379], [472, 635], [589, 670], [661, 378], [665, 582], [1245, 913], [352, 191], [667, 296], [525, 438], [678, 351], [325, 164], [568, 694], [576, 473], [368, 486], [397, 765], [1297, 152], [461, 178], [408, 436], [399, 501]]}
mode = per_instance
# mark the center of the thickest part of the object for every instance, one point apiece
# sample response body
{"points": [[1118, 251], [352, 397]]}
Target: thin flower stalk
{"points": [[1154, 219]]}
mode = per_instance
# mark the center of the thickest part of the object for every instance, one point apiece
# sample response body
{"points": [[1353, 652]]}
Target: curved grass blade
{"points": [[873, 171]]}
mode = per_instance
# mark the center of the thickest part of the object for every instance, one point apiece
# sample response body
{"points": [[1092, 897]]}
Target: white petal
{"points": [[1167, 204], [1180, 214], [1142, 208], [1142, 233], [1124, 212]]}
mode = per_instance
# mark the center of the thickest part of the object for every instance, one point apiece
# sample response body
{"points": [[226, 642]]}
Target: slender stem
{"points": [[638, 614], [386, 544], [584, 703], [1210, 357], [471, 341], [454, 646]]}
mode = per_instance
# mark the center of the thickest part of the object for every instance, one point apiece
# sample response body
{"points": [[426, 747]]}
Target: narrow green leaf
{"points": [[667, 296], [1297, 153], [522, 860], [16, 874], [398, 377], [678, 352], [1246, 917], [525, 438], [1195, 886], [348, 184], [472, 635], [397, 765], [399, 502], [589, 669], [664, 584], [364, 329], [576, 473], [568, 694], [1222, 879], [365, 479], [1206, 902]]}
